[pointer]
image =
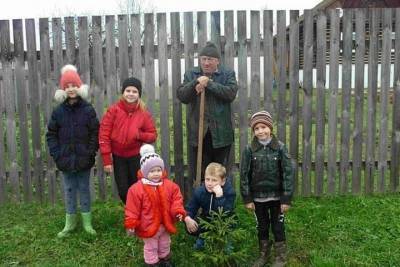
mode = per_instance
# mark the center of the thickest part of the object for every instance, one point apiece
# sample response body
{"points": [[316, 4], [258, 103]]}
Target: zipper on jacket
{"points": [[211, 199]]}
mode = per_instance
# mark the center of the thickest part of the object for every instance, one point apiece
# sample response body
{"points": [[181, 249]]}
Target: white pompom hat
{"points": [[149, 159]]}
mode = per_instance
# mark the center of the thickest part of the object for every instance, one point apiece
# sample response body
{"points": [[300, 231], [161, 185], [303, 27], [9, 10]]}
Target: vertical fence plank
{"points": [[374, 16], [70, 40], [229, 60], [98, 86], [385, 84], [320, 114], [333, 88], [294, 91], [84, 59], [22, 110], [35, 108], [307, 101], [46, 88], [268, 48], [136, 41], [201, 30], [281, 56], [3, 196], [112, 84], [163, 85], [8, 85], [395, 147], [359, 100], [111, 67], [189, 62], [58, 61], [176, 53], [255, 60], [242, 79], [216, 30], [149, 91], [123, 47], [346, 92]]}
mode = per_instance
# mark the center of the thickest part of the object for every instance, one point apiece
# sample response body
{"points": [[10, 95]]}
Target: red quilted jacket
{"points": [[123, 130], [149, 206]]}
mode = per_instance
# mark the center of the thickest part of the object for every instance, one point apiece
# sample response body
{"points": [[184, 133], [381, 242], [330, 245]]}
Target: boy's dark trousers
{"points": [[269, 214], [125, 173]]}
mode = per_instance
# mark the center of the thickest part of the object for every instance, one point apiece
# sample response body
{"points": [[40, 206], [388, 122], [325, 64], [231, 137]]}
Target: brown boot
{"points": [[265, 250], [280, 254]]}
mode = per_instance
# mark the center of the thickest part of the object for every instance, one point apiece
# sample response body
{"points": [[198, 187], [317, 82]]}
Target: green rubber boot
{"points": [[87, 223], [70, 225]]}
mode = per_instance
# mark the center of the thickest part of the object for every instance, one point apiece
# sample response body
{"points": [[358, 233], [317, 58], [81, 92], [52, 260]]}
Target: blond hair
{"points": [[215, 169]]}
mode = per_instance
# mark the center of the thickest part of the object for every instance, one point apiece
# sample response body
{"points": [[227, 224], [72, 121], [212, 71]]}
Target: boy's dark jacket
{"points": [[72, 135], [202, 198], [266, 171]]}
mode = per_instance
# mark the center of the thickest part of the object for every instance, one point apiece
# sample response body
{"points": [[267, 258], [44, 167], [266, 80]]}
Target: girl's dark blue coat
{"points": [[72, 136]]}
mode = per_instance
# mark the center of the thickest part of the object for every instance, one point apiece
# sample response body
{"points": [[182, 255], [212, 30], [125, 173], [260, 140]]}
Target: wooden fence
{"points": [[343, 138]]}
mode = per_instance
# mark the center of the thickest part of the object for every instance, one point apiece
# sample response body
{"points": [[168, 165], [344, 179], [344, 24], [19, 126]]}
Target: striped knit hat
{"points": [[149, 159], [263, 117]]}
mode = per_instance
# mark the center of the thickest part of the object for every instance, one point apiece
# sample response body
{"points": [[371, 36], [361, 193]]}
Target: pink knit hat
{"points": [[149, 159]]}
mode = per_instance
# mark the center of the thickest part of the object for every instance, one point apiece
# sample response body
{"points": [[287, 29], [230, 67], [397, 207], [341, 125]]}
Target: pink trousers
{"points": [[157, 247]]}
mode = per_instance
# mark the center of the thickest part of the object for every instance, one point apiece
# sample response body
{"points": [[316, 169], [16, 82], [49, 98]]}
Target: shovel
{"points": [[200, 140]]}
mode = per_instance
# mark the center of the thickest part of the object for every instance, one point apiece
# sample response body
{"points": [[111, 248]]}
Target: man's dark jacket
{"points": [[72, 136], [220, 93]]}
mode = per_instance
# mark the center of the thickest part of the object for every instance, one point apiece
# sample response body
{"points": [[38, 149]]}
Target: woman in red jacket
{"points": [[124, 128]]}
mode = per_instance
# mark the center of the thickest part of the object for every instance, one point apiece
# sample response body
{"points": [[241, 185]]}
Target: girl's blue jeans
{"points": [[75, 182]]}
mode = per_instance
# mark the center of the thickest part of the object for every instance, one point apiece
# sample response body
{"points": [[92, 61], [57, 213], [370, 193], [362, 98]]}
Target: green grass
{"points": [[328, 231]]}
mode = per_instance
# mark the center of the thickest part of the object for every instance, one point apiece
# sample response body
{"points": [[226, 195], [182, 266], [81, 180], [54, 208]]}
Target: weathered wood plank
{"points": [[201, 29], [112, 85], [346, 92], [228, 60], [149, 83], [58, 62], [268, 61], [176, 104], [333, 88], [123, 47], [359, 100], [320, 114], [136, 47], [307, 102], [3, 195], [8, 85], [47, 84], [84, 59], [215, 17], [370, 169], [294, 90], [281, 56], [384, 95], [20, 87], [35, 108], [255, 61], [189, 63], [163, 85], [395, 147], [70, 40], [242, 80], [98, 86]]}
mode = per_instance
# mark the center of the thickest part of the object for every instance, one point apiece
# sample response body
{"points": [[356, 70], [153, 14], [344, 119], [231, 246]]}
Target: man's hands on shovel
{"points": [[202, 84]]}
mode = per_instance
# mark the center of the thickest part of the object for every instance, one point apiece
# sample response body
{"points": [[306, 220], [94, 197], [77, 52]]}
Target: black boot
{"points": [[265, 250], [166, 262], [280, 254]]}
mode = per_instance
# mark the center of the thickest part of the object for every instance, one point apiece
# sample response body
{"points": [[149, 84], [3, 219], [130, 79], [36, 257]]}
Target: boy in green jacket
{"points": [[266, 185]]}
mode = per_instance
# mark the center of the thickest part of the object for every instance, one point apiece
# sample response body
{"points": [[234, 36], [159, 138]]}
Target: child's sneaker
{"points": [[199, 244]]}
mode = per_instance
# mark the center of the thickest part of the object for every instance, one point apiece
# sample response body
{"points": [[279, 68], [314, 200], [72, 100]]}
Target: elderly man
{"points": [[220, 87]]}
